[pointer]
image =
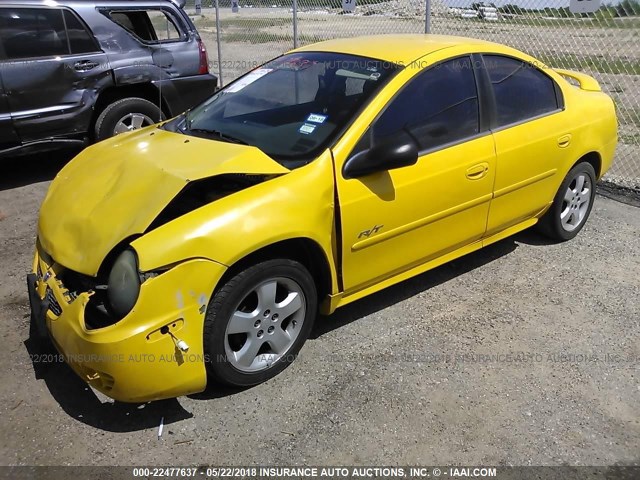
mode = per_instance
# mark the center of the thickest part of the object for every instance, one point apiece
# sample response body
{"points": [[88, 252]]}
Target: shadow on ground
{"points": [[411, 287], [80, 402], [27, 169]]}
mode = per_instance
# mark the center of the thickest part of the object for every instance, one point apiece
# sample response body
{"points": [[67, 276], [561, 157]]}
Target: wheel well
{"points": [[141, 90], [303, 250], [594, 159]]}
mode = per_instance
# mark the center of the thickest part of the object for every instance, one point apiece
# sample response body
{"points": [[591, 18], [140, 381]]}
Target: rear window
{"points": [[42, 32], [149, 26]]}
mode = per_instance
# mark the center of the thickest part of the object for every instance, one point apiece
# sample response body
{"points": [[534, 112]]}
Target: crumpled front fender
{"points": [[297, 205]]}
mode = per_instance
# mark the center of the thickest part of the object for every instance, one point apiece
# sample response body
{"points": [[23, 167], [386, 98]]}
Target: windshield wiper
{"points": [[217, 133]]}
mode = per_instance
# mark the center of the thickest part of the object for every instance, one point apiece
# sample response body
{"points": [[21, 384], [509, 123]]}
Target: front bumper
{"points": [[135, 359]]}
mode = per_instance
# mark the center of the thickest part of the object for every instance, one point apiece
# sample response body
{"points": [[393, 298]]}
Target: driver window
{"points": [[437, 107]]}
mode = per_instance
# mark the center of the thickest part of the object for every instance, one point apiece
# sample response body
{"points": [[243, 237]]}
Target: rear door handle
{"points": [[564, 140], [84, 65], [477, 171]]}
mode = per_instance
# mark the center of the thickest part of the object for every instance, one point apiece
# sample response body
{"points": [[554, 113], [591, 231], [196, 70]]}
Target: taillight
{"points": [[204, 61]]}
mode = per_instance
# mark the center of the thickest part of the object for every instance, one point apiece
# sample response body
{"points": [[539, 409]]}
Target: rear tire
{"points": [[572, 204], [257, 322], [125, 115]]}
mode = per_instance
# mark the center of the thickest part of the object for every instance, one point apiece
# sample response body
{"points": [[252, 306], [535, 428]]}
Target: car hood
{"points": [[115, 189]]}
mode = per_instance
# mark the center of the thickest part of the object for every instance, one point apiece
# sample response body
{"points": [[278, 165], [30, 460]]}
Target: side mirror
{"points": [[387, 155]]}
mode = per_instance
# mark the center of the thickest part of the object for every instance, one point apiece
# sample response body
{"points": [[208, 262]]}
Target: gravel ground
{"points": [[524, 353]]}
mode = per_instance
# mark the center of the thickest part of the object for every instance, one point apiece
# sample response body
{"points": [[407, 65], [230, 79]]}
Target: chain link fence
{"points": [[604, 43]]}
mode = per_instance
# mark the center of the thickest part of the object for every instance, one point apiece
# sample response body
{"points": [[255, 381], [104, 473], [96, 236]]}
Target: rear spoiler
{"points": [[585, 81]]}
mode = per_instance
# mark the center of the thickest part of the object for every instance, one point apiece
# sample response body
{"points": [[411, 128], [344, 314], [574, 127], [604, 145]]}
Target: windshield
{"points": [[293, 106]]}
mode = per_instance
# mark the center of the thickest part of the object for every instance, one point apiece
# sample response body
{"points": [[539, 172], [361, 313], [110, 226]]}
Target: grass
{"points": [[252, 30], [629, 116], [592, 22], [593, 62], [254, 22], [248, 26], [208, 21], [266, 37], [630, 139]]}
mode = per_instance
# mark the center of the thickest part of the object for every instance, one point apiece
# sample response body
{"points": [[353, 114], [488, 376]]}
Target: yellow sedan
{"points": [[204, 248]]}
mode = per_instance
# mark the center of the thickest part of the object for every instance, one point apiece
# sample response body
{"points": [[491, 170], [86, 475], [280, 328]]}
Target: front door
{"points": [[396, 219]]}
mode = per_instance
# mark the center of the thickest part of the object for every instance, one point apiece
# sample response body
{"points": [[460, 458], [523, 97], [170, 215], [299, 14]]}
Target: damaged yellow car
{"points": [[205, 247]]}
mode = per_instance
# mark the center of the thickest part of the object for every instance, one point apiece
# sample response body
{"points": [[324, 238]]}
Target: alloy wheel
{"points": [[265, 324], [132, 121], [576, 202]]}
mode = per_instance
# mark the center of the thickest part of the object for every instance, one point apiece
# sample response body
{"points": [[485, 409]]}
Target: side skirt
{"points": [[333, 302]]}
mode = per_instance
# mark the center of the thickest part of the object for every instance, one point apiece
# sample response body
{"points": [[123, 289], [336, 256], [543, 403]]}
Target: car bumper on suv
{"points": [[136, 359]]}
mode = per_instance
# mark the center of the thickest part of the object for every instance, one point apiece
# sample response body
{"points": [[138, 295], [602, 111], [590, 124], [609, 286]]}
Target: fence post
{"points": [[295, 23], [218, 44], [427, 16]]}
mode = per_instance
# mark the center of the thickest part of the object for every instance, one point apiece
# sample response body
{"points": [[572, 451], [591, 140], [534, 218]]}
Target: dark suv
{"points": [[79, 71]]}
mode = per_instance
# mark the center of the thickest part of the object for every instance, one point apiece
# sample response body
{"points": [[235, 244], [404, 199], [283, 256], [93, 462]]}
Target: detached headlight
{"points": [[124, 284]]}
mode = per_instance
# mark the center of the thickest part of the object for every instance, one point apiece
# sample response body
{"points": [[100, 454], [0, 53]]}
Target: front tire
{"points": [[572, 204], [258, 321]]}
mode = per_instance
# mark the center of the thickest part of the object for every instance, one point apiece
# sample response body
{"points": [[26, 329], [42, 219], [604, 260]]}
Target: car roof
{"points": [[397, 48]]}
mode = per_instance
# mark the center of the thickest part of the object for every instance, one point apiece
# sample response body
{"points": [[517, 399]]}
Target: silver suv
{"points": [[72, 72]]}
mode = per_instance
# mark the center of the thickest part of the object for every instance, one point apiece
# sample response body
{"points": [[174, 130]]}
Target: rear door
{"points": [[533, 140], [52, 71]]}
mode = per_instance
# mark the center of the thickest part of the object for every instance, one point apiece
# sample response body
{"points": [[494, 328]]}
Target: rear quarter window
{"points": [[151, 25]]}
